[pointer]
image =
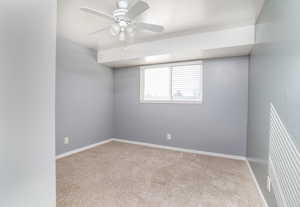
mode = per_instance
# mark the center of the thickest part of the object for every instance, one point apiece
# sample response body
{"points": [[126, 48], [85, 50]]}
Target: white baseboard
{"points": [[257, 185], [181, 149], [235, 157], [82, 149]]}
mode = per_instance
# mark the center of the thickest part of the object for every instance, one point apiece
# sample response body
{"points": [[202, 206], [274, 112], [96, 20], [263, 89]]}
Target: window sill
{"points": [[170, 102]]}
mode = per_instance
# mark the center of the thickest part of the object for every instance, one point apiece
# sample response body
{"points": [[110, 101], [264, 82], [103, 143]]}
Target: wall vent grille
{"points": [[284, 166]]}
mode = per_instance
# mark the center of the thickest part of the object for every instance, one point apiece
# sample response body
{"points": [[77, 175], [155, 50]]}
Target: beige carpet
{"points": [[125, 175]]}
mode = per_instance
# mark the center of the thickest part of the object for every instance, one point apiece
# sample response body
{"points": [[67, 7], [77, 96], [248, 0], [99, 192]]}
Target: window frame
{"points": [[170, 65]]}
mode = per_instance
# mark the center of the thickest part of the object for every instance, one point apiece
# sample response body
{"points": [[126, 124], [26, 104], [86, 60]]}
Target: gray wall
{"points": [[27, 83], [274, 78], [217, 125], [84, 97]]}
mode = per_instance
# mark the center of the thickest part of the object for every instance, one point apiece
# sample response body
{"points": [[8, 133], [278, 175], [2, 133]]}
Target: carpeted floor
{"points": [[125, 175]]}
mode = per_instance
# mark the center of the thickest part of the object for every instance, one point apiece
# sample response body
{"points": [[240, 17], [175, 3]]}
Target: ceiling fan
{"points": [[122, 18]]}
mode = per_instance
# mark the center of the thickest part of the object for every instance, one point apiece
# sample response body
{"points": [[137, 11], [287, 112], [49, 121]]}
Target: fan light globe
{"points": [[122, 36], [123, 4], [130, 31], [115, 29]]}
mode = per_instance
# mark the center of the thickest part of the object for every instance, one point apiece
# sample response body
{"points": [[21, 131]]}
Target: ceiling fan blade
{"points": [[150, 27], [100, 30], [137, 9], [97, 13], [132, 3]]}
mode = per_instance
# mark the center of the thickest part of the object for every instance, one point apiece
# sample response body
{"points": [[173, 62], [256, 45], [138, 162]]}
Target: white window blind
{"points": [[175, 83], [157, 84], [186, 83]]}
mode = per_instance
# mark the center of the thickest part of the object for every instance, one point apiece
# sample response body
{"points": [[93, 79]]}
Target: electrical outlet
{"points": [[66, 140], [269, 184], [169, 136]]}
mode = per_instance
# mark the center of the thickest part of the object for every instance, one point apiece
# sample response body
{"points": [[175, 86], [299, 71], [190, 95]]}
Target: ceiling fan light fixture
{"points": [[122, 4], [122, 36], [123, 20], [115, 29], [130, 30]]}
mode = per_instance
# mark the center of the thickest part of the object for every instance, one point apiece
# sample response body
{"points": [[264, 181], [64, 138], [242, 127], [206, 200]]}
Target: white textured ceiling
{"points": [[177, 16]]}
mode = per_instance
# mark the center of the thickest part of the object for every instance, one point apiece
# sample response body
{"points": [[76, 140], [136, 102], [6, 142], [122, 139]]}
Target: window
{"points": [[172, 83]]}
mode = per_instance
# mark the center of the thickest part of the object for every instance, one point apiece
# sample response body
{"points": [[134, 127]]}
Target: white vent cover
{"points": [[284, 166]]}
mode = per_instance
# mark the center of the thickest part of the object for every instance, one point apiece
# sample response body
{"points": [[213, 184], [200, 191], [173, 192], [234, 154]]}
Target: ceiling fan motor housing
{"points": [[120, 16]]}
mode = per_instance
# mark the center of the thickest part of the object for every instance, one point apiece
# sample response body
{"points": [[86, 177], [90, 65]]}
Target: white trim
{"points": [[174, 64], [82, 149], [235, 157], [170, 102], [256, 184]]}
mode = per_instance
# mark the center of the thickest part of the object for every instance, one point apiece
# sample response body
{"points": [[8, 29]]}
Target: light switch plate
{"points": [[169, 136], [66, 140]]}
